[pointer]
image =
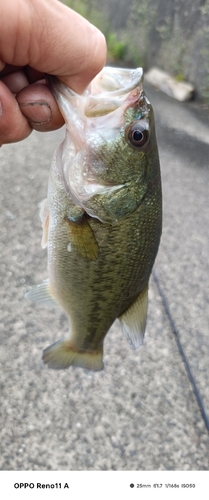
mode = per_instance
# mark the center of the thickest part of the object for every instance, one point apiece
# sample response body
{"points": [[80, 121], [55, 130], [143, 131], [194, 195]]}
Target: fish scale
{"points": [[102, 217]]}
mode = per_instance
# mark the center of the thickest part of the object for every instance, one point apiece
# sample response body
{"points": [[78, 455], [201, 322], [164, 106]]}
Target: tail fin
{"points": [[61, 355]]}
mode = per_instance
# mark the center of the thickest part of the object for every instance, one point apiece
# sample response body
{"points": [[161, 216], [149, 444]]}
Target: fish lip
{"points": [[70, 192], [98, 99], [110, 93], [133, 79]]}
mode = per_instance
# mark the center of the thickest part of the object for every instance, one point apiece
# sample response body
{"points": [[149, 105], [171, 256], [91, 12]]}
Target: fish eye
{"points": [[138, 135]]}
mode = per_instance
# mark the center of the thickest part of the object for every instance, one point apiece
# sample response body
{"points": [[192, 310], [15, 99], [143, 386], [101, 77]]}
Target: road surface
{"points": [[149, 408]]}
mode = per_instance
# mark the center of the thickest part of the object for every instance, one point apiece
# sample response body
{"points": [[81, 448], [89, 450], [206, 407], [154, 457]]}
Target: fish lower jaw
{"points": [[90, 187], [102, 184]]}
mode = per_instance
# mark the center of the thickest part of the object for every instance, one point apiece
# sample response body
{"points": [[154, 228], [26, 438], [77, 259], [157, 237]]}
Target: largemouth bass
{"points": [[102, 216]]}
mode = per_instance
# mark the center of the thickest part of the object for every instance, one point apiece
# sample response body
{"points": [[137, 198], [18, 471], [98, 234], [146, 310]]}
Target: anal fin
{"points": [[42, 294], [133, 320], [61, 355]]}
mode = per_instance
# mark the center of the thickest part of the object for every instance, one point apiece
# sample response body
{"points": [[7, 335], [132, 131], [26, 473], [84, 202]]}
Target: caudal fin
{"points": [[61, 355]]}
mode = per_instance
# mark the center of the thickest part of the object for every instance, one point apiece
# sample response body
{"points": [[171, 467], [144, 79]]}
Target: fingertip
{"points": [[39, 107], [100, 51], [92, 61], [96, 56], [13, 125]]}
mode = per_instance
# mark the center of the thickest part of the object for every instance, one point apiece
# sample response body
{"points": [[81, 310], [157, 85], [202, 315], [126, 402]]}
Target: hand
{"points": [[39, 37]]}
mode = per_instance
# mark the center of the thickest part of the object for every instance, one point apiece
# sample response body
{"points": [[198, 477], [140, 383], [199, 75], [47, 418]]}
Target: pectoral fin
{"points": [[133, 320], [82, 239], [44, 216]]}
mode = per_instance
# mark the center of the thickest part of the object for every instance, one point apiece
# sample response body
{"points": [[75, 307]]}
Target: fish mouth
{"points": [[107, 91], [92, 119], [79, 185]]}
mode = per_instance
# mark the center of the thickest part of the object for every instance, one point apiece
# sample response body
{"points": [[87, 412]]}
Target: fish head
{"points": [[110, 138]]}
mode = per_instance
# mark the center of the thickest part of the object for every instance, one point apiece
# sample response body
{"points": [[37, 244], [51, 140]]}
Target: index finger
{"points": [[51, 38]]}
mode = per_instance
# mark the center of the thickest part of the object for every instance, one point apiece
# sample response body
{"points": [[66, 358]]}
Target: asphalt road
{"points": [[148, 409]]}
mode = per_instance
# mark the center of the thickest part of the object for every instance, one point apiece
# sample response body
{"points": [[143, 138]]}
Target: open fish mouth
{"points": [[107, 91], [93, 119]]}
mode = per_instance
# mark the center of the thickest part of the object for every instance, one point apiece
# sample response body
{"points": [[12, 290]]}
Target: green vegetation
{"points": [[150, 34], [205, 54], [116, 48], [179, 77], [89, 9], [142, 18]]}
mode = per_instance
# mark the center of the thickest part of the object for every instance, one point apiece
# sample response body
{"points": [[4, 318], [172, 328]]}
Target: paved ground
{"points": [[141, 412]]}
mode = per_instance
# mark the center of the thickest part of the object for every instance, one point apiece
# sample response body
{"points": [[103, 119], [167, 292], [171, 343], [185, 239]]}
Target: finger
{"points": [[2, 65], [8, 68], [32, 75], [39, 107], [15, 81], [13, 125], [77, 51], [54, 39]]}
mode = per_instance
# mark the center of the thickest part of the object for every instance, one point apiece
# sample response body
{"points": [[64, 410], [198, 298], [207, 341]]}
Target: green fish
{"points": [[102, 217]]}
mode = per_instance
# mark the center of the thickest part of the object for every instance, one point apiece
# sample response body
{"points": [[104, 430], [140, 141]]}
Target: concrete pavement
{"points": [[141, 412]]}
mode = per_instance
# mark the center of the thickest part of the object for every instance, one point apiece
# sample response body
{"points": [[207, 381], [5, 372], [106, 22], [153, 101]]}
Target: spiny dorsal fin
{"points": [[133, 320], [42, 294]]}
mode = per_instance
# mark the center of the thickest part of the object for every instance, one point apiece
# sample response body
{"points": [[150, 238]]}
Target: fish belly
{"points": [[96, 272]]}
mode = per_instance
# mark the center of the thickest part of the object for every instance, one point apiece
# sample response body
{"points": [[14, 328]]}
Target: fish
{"points": [[102, 218]]}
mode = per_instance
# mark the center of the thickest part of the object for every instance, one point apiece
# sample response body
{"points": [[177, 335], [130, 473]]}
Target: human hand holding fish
{"points": [[35, 36]]}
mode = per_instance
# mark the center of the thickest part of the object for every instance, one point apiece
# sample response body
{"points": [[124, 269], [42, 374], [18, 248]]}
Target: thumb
{"points": [[51, 38]]}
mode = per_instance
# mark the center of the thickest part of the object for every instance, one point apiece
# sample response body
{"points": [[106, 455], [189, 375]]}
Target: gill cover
{"points": [[93, 118]]}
